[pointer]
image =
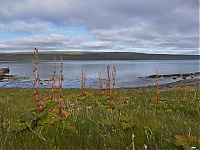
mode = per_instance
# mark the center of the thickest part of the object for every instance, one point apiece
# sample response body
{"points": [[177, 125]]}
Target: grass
{"points": [[93, 124]]}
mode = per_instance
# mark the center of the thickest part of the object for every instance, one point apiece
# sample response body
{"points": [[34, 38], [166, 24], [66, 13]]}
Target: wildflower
{"points": [[88, 107]]}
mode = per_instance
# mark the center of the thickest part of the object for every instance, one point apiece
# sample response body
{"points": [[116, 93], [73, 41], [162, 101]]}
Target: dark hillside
{"points": [[95, 56]]}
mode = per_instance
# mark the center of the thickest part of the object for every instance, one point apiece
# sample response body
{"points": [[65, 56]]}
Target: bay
{"points": [[130, 73]]}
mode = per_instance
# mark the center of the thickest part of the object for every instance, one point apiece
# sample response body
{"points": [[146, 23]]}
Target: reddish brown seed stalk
{"points": [[53, 87], [60, 86], [60, 99], [40, 104], [61, 76], [157, 87]]}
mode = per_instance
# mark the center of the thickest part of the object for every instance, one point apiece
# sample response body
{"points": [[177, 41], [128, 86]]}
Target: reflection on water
{"points": [[128, 72]]}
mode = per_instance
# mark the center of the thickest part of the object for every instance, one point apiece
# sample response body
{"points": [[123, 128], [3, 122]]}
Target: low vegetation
{"points": [[94, 124], [104, 118]]}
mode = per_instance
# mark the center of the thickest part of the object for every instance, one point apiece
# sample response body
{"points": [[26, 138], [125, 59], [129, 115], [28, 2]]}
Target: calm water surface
{"points": [[128, 72]]}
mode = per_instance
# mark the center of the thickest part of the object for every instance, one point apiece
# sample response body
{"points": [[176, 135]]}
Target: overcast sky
{"points": [[148, 26]]}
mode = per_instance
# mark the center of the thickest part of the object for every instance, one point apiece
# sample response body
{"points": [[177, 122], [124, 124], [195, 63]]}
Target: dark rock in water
{"points": [[7, 70], [184, 77], [174, 76], [1, 77], [4, 71], [154, 76]]}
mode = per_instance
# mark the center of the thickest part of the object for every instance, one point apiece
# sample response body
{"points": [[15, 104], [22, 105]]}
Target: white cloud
{"points": [[97, 45], [42, 42], [170, 25], [26, 27]]}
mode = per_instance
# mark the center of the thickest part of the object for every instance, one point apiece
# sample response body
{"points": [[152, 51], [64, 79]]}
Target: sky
{"points": [[145, 26]]}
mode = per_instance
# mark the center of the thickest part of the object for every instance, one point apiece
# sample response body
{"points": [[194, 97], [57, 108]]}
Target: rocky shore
{"points": [[13, 81], [175, 76], [187, 82], [189, 79]]}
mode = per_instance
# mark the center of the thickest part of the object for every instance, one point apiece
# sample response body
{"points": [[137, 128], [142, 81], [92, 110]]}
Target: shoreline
{"points": [[15, 83], [195, 82], [186, 82]]}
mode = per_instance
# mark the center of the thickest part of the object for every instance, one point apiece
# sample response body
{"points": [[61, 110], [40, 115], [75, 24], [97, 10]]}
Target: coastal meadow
{"points": [[104, 118]]}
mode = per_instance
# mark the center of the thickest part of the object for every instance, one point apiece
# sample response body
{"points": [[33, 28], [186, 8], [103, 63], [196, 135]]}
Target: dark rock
{"points": [[4, 71]]}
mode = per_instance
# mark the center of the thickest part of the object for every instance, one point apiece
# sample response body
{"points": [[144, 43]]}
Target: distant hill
{"points": [[94, 56]]}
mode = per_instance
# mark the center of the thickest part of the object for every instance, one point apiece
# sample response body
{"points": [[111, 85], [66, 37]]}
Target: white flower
{"points": [[194, 147]]}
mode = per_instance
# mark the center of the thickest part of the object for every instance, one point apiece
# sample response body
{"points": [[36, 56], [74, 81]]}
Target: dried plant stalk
{"points": [[61, 76], [91, 91], [108, 82], [114, 72], [53, 87], [133, 144], [37, 79], [157, 87], [60, 99], [40, 104], [83, 83], [100, 84], [181, 86]]}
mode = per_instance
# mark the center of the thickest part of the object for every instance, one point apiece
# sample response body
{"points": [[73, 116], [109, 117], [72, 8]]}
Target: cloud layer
{"points": [[152, 26]]}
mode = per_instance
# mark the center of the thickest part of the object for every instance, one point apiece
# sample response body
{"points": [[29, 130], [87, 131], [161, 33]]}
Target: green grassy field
{"points": [[170, 123]]}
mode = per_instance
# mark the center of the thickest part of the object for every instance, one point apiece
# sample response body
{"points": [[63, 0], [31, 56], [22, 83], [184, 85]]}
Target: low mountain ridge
{"points": [[95, 56]]}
